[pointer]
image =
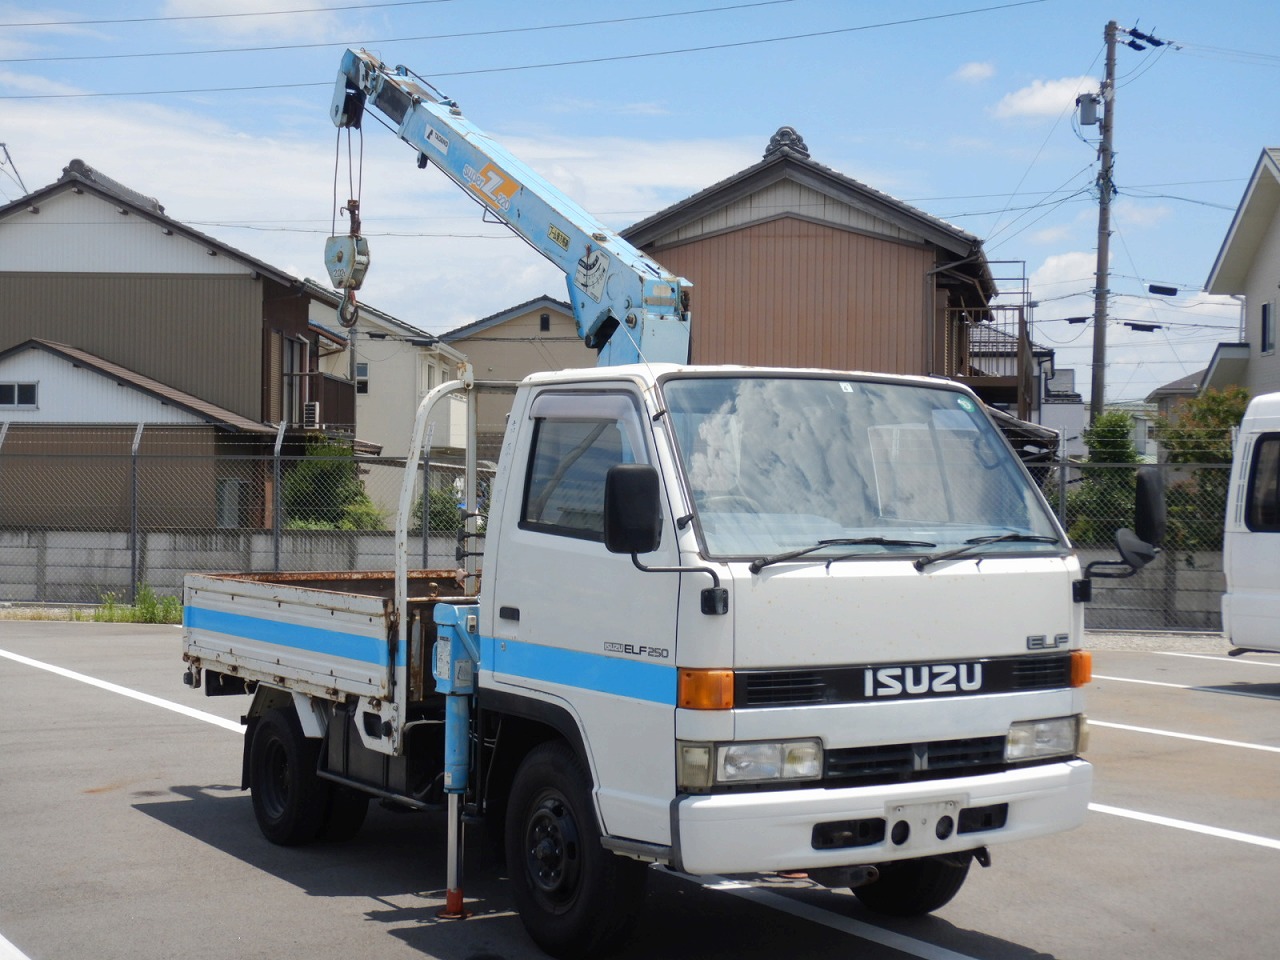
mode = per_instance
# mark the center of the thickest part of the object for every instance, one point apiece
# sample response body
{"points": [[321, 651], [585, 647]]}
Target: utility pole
{"points": [[9, 160], [1106, 186]]}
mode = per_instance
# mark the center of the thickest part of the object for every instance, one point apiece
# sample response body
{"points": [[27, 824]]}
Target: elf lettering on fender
{"points": [[922, 679]]}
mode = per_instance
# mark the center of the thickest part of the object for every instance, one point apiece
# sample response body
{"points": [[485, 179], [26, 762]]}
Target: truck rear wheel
{"points": [[575, 898], [289, 800], [910, 888]]}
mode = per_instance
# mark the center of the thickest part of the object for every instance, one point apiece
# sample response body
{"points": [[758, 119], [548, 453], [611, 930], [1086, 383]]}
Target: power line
{"points": [[219, 16], [437, 36], [837, 31]]}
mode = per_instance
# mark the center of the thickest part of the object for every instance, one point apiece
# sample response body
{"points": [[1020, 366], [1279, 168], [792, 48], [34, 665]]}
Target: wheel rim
{"points": [[275, 780], [552, 855]]}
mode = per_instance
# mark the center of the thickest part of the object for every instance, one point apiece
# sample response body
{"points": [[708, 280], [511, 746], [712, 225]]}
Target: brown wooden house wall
{"points": [[196, 333], [790, 292]]}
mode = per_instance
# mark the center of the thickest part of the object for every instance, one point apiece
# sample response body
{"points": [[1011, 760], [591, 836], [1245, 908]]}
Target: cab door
{"points": [[578, 626]]}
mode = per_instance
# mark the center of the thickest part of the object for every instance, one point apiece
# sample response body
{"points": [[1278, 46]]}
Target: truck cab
{"points": [[887, 666]]}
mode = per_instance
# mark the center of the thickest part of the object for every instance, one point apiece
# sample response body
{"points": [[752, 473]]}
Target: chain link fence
{"points": [[1182, 589], [89, 513], [92, 515]]}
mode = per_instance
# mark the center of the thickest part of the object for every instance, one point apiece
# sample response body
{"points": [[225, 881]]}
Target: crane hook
{"points": [[348, 312]]}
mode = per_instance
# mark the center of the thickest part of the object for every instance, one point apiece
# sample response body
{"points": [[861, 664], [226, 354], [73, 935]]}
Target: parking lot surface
{"points": [[123, 833]]}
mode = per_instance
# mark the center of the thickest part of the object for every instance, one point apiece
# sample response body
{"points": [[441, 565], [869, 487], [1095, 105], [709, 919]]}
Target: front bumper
{"points": [[774, 830]]}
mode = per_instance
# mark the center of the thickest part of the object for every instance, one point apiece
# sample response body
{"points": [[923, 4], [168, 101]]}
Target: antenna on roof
{"points": [[9, 160]]}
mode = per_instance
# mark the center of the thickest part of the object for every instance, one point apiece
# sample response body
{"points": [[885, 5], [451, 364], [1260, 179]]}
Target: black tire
{"points": [[911, 888], [575, 898], [346, 813], [289, 800]]}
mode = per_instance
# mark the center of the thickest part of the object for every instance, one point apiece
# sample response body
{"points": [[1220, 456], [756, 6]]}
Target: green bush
{"points": [[443, 516], [323, 491], [1103, 501]]}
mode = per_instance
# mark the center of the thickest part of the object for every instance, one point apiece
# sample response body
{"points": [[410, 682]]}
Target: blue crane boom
{"points": [[625, 304]]}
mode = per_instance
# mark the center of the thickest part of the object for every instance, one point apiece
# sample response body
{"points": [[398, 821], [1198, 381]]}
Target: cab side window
{"points": [[575, 442], [1264, 485]]}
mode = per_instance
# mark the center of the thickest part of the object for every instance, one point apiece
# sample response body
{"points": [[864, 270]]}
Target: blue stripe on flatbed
{"points": [[333, 643], [637, 679]]}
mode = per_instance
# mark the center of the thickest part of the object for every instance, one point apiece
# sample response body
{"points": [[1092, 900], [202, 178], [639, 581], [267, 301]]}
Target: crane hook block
{"points": [[346, 257]]}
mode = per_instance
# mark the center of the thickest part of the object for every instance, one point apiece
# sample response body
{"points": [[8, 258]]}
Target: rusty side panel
{"points": [[423, 584]]}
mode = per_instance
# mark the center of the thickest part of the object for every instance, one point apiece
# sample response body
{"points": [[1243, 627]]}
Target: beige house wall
{"points": [[518, 347]]}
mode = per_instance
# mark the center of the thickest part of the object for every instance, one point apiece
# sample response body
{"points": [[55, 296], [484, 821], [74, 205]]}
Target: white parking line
{"points": [[1149, 683], [1202, 687], [9, 952], [1187, 825], [1219, 659], [1184, 736], [865, 931], [126, 692]]}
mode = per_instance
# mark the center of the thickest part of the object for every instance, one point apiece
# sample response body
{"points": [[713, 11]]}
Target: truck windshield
{"points": [[806, 469]]}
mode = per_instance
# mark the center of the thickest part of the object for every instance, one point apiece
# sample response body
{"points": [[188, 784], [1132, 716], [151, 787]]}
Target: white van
{"points": [[1251, 540]]}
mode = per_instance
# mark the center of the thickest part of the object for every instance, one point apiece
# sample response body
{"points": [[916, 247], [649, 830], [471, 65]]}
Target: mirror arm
{"points": [[715, 599]]}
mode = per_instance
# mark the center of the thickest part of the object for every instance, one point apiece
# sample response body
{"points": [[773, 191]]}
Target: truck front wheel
{"points": [[911, 888], [575, 898], [289, 800]]}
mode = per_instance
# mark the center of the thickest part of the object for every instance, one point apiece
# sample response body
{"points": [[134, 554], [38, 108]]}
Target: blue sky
{"points": [[963, 109]]}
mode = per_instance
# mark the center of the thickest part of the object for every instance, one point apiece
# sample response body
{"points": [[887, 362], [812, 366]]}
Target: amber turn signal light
{"points": [[700, 689], [1081, 667]]}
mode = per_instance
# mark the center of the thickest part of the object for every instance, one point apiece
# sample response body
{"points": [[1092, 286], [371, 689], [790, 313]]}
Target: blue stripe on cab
{"points": [[332, 643], [637, 679]]}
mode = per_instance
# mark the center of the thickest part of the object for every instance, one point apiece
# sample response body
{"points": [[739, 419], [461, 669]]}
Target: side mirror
{"points": [[1137, 549], [1150, 513], [632, 509], [1134, 550]]}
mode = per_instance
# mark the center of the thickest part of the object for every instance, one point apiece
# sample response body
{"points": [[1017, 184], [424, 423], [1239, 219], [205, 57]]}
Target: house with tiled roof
{"points": [[1248, 267], [120, 320], [796, 264]]}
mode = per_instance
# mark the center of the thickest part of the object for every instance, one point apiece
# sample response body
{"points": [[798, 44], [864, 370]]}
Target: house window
{"points": [[231, 502], [295, 372], [362, 378], [18, 395], [1268, 328], [544, 323]]}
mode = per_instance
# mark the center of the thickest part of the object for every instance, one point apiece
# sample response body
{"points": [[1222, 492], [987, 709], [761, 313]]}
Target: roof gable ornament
{"points": [[786, 139], [79, 170]]}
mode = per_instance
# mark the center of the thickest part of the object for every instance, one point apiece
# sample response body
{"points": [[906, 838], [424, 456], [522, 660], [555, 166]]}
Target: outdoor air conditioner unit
{"points": [[311, 415]]}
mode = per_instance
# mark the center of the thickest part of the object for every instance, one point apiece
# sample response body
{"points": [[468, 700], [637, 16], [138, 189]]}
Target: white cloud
{"points": [[1129, 213], [252, 18], [1043, 98], [1050, 235], [975, 72], [29, 83], [435, 262]]}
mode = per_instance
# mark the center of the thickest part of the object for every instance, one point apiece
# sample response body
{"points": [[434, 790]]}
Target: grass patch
{"points": [[148, 607]]}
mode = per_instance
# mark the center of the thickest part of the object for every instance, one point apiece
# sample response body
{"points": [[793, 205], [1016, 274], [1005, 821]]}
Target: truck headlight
{"points": [[1038, 739], [703, 765]]}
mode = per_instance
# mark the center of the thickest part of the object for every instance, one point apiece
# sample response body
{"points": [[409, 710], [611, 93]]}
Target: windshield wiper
{"points": [[758, 565], [971, 545]]}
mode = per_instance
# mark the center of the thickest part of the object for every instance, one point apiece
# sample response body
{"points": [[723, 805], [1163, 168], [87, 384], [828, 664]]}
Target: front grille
{"points": [[865, 683], [902, 762], [1041, 673], [784, 688]]}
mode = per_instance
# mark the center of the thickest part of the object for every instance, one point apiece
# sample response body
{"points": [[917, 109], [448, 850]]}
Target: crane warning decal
{"points": [[494, 187], [592, 272]]}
